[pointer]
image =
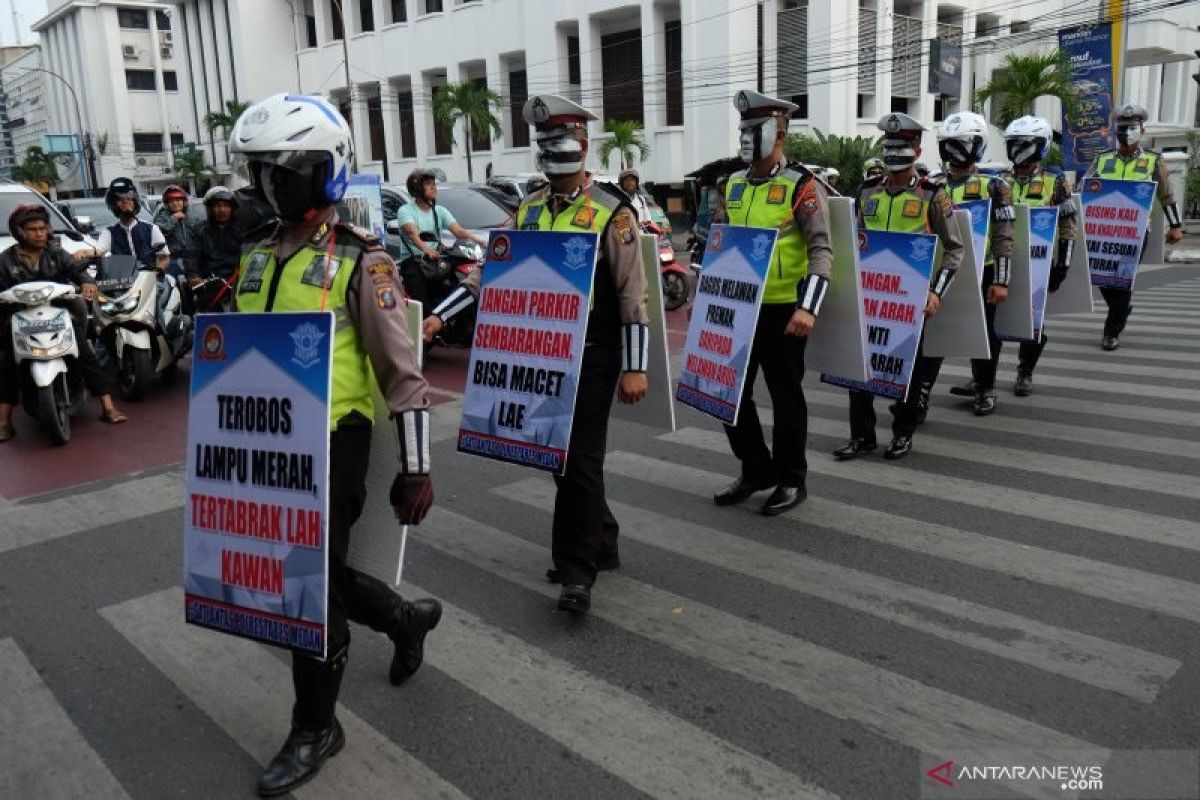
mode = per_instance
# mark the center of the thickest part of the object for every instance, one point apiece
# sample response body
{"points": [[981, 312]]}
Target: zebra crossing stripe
{"points": [[1127, 670], [1109, 582], [1139, 390], [45, 755], [1121, 356], [247, 692]]}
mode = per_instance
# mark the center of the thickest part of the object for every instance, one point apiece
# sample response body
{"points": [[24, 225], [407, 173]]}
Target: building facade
{"points": [[23, 120], [120, 62]]}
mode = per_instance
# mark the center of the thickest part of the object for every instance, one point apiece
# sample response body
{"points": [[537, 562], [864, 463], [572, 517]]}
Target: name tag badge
{"points": [[256, 265], [870, 207], [531, 218], [1142, 164], [777, 194], [314, 273], [736, 191], [1035, 188], [972, 189], [584, 217], [912, 209]]}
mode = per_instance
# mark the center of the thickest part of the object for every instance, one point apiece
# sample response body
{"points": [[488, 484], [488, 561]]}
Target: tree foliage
{"points": [[37, 168], [627, 139], [1023, 79], [225, 120], [472, 104], [846, 154], [191, 169]]}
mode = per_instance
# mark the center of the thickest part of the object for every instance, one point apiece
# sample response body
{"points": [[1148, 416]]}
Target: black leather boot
{"points": [[413, 621], [300, 759]]}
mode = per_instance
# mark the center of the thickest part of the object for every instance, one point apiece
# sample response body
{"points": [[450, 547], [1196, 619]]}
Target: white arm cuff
{"points": [[412, 427], [812, 293], [635, 347]]}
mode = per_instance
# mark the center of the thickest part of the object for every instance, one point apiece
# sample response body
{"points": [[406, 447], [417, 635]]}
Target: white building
{"points": [[22, 109], [121, 60]]}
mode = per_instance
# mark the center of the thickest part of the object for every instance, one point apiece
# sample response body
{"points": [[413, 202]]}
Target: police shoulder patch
{"points": [[943, 202], [385, 297], [624, 228], [367, 237]]}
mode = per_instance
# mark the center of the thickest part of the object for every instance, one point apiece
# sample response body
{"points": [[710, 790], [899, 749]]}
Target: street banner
{"points": [[838, 342], [255, 554], [362, 205], [1074, 295], [657, 408], [528, 348], [1014, 317], [959, 329], [1043, 240], [1115, 216], [724, 315], [1095, 70], [894, 275]]}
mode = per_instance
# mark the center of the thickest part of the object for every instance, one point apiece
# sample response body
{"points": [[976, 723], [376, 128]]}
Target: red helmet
{"points": [[24, 214], [174, 191]]}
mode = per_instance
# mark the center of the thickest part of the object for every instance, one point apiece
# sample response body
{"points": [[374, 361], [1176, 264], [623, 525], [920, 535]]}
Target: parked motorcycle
{"points": [[674, 276], [140, 323], [456, 258], [42, 340]]}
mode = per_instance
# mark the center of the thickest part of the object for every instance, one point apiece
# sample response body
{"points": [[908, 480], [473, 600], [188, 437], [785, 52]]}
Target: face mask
{"points": [[757, 139], [1022, 151], [958, 153], [1129, 134], [289, 192], [559, 154], [898, 154]]}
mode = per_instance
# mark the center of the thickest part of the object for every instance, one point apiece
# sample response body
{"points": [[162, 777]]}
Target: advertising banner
{"points": [[1115, 216], [894, 275], [724, 316], [528, 348], [255, 555]]}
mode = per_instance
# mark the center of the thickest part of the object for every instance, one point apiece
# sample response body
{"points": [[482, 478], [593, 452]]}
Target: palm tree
{"points": [[1023, 79], [191, 169], [38, 169], [845, 153], [627, 139], [472, 103], [224, 121]]}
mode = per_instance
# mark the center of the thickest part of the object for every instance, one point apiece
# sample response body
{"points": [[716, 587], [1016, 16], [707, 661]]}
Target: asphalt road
{"points": [[1022, 589]]}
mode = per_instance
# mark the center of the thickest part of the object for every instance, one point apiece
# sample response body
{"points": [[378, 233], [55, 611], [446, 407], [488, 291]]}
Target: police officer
{"points": [[1027, 139], [296, 151], [770, 194], [905, 202], [873, 168], [1132, 162], [962, 143], [616, 344]]}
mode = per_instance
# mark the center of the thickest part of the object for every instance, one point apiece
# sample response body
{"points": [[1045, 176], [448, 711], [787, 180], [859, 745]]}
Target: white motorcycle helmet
{"points": [[962, 139], [296, 150], [1027, 139]]}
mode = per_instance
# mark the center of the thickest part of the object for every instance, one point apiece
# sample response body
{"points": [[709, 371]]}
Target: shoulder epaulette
{"points": [[365, 237]]}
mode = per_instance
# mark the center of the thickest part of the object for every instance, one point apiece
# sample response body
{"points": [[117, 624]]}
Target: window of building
{"points": [[899, 105], [408, 125], [791, 47], [140, 79], [336, 30], [176, 139], [481, 139], [574, 73], [170, 81], [134, 19], [1019, 26], [163, 20], [375, 129], [621, 68], [441, 137], [399, 11], [801, 101], [433, 6], [673, 40], [366, 15], [147, 143], [518, 93], [310, 29]]}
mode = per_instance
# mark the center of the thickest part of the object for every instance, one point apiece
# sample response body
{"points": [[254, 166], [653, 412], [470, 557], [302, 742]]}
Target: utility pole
{"points": [[16, 21], [338, 6]]}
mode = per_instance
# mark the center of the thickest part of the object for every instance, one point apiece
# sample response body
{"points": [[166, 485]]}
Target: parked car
{"points": [[517, 186], [14, 194], [477, 208], [91, 214]]}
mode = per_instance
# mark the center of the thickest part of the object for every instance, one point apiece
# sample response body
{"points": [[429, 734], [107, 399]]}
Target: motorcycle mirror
{"points": [[447, 239], [392, 226], [85, 224]]}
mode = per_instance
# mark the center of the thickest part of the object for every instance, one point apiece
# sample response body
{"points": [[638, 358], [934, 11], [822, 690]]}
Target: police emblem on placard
{"points": [[1142, 190], [501, 248], [920, 248], [714, 241], [307, 338], [863, 242], [759, 245], [584, 217], [314, 273], [1093, 185], [911, 208], [777, 194], [576, 247], [256, 265]]}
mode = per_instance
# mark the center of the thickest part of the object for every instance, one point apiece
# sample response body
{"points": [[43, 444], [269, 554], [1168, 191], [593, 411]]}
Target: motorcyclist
{"points": [[219, 249], [33, 258], [874, 168], [180, 231], [130, 236], [631, 184], [423, 215]]}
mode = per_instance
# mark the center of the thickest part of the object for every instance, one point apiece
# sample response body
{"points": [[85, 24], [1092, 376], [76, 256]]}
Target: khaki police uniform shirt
{"points": [[384, 330]]}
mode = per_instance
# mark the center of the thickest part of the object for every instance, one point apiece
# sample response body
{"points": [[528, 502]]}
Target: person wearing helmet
{"points": [[631, 184], [179, 230], [1132, 162], [130, 236], [219, 249], [297, 151], [962, 143], [616, 352], [33, 257], [421, 220], [904, 202], [1027, 140], [831, 176], [873, 168]]}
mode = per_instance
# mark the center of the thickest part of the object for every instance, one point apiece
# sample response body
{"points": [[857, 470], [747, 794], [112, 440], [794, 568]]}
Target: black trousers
{"points": [[99, 381], [414, 282], [353, 597], [904, 414], [983, 370], [1030, 352], [584, 527], [782, 360], [1120, 303]]}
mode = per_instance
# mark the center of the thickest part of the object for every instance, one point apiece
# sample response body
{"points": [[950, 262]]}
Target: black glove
{"points": [[1057, 273], [411, 497]]}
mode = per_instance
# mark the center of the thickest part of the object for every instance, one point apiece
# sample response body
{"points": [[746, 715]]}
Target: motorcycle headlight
{"points": [[121, 305], [665, 256], [33, 297]]}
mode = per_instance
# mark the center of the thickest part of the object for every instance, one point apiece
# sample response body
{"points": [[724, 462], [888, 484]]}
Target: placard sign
{"points": [[1115, 216]]}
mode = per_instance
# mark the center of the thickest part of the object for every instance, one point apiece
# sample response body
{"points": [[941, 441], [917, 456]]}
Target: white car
{"points": [[15, 194]]}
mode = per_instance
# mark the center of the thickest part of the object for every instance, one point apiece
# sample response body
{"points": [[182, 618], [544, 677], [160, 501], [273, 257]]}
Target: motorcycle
{"points": [[456, 258], [140, 324], [42, 339], [674, 277]]}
